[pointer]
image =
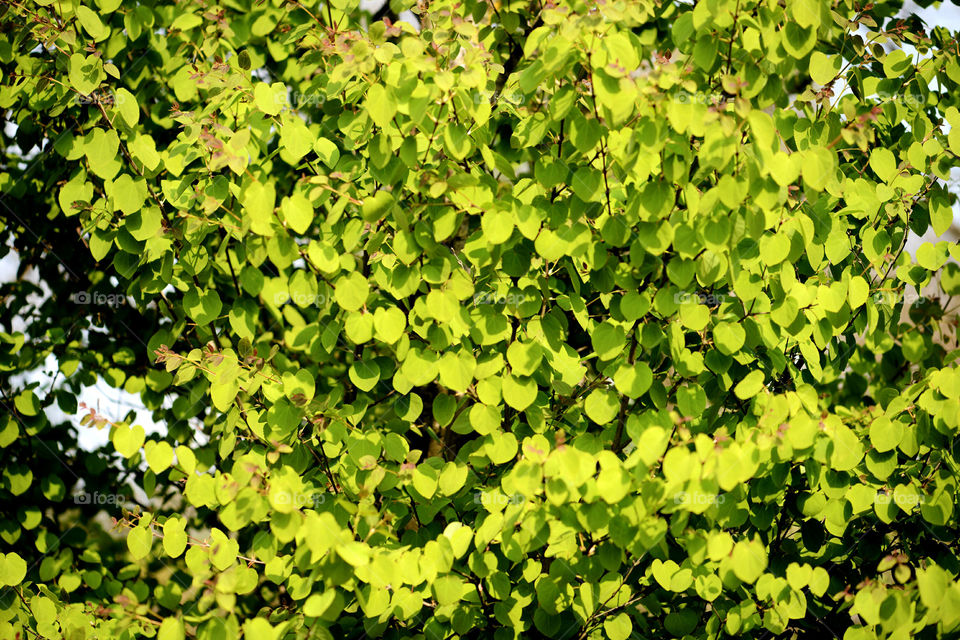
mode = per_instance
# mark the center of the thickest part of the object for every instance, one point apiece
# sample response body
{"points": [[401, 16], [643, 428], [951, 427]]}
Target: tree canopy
{"points": [[479, 319]]}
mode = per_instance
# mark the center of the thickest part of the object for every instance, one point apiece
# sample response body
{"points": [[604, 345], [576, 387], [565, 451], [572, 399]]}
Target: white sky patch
{"points": [[110, 402]]}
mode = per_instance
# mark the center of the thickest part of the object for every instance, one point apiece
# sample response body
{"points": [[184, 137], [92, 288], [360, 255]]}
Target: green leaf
{"points": [[501, 447], [327, 151], [831, 298], [691, 401], [301, 383], [806, 14], [705, 52], [9, 432], [270, 98], [297, 212], [317, 604], [171, 629], [886, 434], [484, 419], [497, 225], [389, 324], [819, 167], [774, 249], [204, 307], [456, 371], [633, 380], [129, 194], [425, 480], [602, 405], [824, 68], [381, 105], [259, 200], [295, 138], [27, 403], [223, 550], [694, 316], [45, 613], [613, 482], [750, 386], [587, 183], [351, 291], [139, 542], [819, 581], [799, 575], [102, 151], [524, 357], [377, 207], [456, 141], [931, 256], [86, 73], [127, 440], [728, 337], [621, 52], [519, 393], [174, 536], [13, 569], [857, 292], [941, 213], [618, 627], [608, 340], [91, 23], [883, 163], [847, 448], [364, 375], [784, 168], [159, 455], [127, 106], [144, 151], [749, 560], [452, 478], [896, 63]]}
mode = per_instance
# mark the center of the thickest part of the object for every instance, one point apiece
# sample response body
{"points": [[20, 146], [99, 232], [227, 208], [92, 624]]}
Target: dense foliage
{"points": [[534, 318]]}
